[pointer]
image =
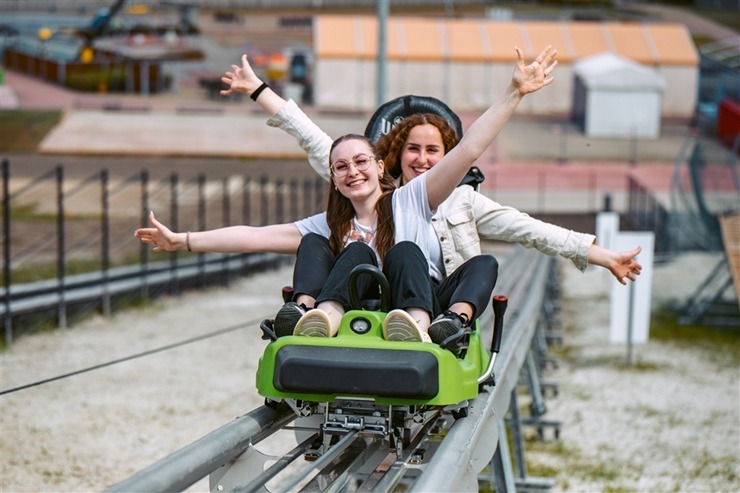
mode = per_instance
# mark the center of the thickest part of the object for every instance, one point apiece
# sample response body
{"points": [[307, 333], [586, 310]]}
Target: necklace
{"points": [[358, 232]]}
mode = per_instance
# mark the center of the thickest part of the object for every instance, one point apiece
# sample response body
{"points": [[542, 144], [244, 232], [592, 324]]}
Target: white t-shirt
{"points": [[411, 215]]}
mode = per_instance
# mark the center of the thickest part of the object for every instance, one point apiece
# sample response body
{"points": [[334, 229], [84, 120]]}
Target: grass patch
{"points": [[574, 464], [21, 131], [49, 271], [27, 212], [722, 344]]}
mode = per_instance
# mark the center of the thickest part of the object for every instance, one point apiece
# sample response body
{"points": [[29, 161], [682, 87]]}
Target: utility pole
{"points": [[382, 9]]}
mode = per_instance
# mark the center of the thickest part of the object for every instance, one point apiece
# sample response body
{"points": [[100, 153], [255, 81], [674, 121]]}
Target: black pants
{"points": [[472, 283], [318, 274]]}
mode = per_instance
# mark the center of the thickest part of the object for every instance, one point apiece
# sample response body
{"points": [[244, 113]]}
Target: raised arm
{"points": [[285, 115], [244, 80], [443, 177], [276, 238]]}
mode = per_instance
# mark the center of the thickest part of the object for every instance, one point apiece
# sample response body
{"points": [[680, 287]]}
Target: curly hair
{"points": [[390, 146], [339, 210]]}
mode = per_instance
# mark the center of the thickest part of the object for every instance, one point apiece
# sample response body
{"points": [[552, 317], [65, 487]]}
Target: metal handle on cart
{"points": [[499, 304]]}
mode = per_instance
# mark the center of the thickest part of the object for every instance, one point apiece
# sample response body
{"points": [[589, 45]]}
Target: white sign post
{"points": [[607, 228], [630, 306]]}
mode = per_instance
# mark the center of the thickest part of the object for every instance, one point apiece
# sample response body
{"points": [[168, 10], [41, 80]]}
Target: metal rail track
{"points": [[443, 454]]}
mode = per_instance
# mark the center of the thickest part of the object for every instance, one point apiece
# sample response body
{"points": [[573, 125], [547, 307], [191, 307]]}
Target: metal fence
{"points": [[704, 186], [68, 243]]}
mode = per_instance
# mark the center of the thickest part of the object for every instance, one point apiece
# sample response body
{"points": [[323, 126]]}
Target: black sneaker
{"points": [[446, 325], [287, 318]]}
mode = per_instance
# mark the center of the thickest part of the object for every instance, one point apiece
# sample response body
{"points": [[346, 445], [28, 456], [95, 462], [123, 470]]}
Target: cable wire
{"points": [[133, 356]]}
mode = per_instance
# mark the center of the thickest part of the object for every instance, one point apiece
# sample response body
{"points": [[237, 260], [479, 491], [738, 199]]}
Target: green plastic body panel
{"points": [[457, 379]]}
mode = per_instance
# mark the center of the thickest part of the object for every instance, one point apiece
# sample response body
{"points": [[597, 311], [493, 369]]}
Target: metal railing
{"points": [[56, 223]]}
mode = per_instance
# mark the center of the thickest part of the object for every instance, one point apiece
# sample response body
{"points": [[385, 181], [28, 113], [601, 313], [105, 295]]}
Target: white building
{"points": [[615, 97], [467, 62]]}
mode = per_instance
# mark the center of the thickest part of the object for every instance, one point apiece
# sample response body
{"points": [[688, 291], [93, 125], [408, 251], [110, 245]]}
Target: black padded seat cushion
{"points": [[350, 371]]}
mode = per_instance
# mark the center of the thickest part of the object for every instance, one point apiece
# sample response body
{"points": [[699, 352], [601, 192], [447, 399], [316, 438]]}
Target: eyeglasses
{"points": [[360, 162]]}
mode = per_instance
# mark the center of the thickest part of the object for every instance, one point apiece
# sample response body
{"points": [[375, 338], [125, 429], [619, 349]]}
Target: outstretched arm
{"points": [[244, 80], [622, 265], [285, 115], [276, 238], [443, 177]]}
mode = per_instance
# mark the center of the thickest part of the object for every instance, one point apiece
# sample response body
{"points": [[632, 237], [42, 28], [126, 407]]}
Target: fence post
{"points": [[294, 199], [174, 209], [246, 201], [143, 248], [264, 209], [201, 227], [279, 202], [105, 241], [320, 186], [61, 267], [226, 221], [307, 198], [6, 252]]}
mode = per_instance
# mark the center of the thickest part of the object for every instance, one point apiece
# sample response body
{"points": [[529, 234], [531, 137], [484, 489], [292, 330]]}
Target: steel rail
{"points": [[304, 477], [188, 465], [471, 442]]}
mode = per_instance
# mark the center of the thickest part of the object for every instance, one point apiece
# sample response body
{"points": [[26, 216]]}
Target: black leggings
{"points": [[318, 274]]}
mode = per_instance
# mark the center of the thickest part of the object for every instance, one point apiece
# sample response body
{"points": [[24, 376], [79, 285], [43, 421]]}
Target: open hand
{"points": [[159, 235], [624, 266], [536, 75], [241, 79]]}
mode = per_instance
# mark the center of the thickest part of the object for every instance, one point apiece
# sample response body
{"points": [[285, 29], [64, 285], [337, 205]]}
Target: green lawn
{"points": [[21, 131]]}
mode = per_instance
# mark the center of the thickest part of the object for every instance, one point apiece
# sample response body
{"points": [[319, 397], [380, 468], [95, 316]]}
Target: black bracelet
{"points": [[258, 91]]}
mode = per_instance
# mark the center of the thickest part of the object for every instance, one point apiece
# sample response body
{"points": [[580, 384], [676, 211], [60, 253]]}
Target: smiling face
{"points": [[353, 182], [421, 151]]}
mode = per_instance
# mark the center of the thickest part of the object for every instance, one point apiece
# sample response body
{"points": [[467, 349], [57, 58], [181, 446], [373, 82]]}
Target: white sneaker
{"points": [[313, 323], [400, 326]]}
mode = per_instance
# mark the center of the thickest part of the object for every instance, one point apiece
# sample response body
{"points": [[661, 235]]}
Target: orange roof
{"points": [[502, 37], [542, 33], [587, 38], [672, 42], [408, 42], [469, 40], [630, 42], [466, 40]]}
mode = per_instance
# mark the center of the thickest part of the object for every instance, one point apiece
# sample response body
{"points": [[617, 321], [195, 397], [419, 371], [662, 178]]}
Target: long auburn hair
{"points": [[339, 209], [390, 146]]}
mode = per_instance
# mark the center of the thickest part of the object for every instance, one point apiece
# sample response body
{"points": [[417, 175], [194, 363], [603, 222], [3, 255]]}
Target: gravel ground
{"points": [[668, 422], [671, 423]]}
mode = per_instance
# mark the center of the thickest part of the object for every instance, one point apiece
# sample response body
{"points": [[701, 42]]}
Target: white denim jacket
{"points": [[461, 220]]}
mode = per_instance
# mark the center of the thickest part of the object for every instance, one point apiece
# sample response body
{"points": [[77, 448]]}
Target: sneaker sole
{"points": [[285, 323], [314, 325], [401, 328], [440, 332]]}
